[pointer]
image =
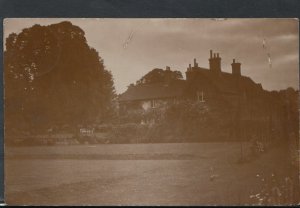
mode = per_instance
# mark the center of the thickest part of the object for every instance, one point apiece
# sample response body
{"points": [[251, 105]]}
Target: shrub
{"points": [[124, 133]]}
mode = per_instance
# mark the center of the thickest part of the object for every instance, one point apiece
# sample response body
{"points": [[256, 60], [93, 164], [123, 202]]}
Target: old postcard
{"points": [[151, 111]]}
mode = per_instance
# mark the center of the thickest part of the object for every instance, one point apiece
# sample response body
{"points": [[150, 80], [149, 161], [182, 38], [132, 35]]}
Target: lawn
{"points": [[137, 174]]}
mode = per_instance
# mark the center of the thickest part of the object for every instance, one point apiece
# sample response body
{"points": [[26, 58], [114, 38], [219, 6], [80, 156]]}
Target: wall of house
{"points": [[157, 103], [146, 105]]}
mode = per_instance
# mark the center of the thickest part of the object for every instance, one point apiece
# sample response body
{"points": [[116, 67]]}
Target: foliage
{"points": [[53, 77], [133, 116], [275, 191], [126, 133], [159, 75], [194, 121], [185, 121]]}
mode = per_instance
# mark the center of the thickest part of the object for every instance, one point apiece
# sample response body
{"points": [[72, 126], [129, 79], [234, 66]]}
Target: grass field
{"points": [[136, 174]]}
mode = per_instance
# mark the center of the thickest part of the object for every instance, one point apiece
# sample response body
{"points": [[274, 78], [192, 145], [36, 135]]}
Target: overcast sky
{"points": [[157, 43]]}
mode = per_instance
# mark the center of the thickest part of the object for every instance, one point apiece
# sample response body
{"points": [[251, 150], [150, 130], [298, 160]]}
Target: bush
{"points": [[132, 116], [103, 128], [124, 133]]}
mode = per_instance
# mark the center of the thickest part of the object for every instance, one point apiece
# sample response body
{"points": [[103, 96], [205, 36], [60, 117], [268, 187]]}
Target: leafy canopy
{"points": [[160, 75], [53, 77]]}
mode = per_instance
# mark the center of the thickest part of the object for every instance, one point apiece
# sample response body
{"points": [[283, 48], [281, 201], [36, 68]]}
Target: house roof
{"points": [[154, 91], [228, 83], [225, 83]]}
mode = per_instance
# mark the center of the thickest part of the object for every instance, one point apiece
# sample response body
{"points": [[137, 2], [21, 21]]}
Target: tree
{"points": [[110, 97], [160, 75], [53, 77]]}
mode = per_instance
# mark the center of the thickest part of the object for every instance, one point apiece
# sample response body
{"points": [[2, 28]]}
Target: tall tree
{"points": [[53, 77]]}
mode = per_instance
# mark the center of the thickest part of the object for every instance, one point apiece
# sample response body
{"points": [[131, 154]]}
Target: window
{"points": [[153, 104], [200, 96]]}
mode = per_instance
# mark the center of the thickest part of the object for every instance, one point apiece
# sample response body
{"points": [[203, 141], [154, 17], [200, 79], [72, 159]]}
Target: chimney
{"points": [[195, 63], [236, 68], [214, 62], [189, 68], [168, 68], [188, 72]]}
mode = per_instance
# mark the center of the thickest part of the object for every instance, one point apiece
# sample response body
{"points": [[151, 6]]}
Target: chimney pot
{"points": [[211, 53]]}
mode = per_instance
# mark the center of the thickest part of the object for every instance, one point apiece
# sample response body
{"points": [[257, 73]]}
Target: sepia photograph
{"points": [[151, 111]]}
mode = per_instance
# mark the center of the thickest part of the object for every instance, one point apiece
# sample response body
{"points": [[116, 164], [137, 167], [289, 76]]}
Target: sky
{"points": [[268, 49]]}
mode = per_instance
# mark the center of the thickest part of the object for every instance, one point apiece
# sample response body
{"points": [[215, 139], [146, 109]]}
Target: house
{"points": [[242, 104], [201, 85], [151, 96], [217, 85]]}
